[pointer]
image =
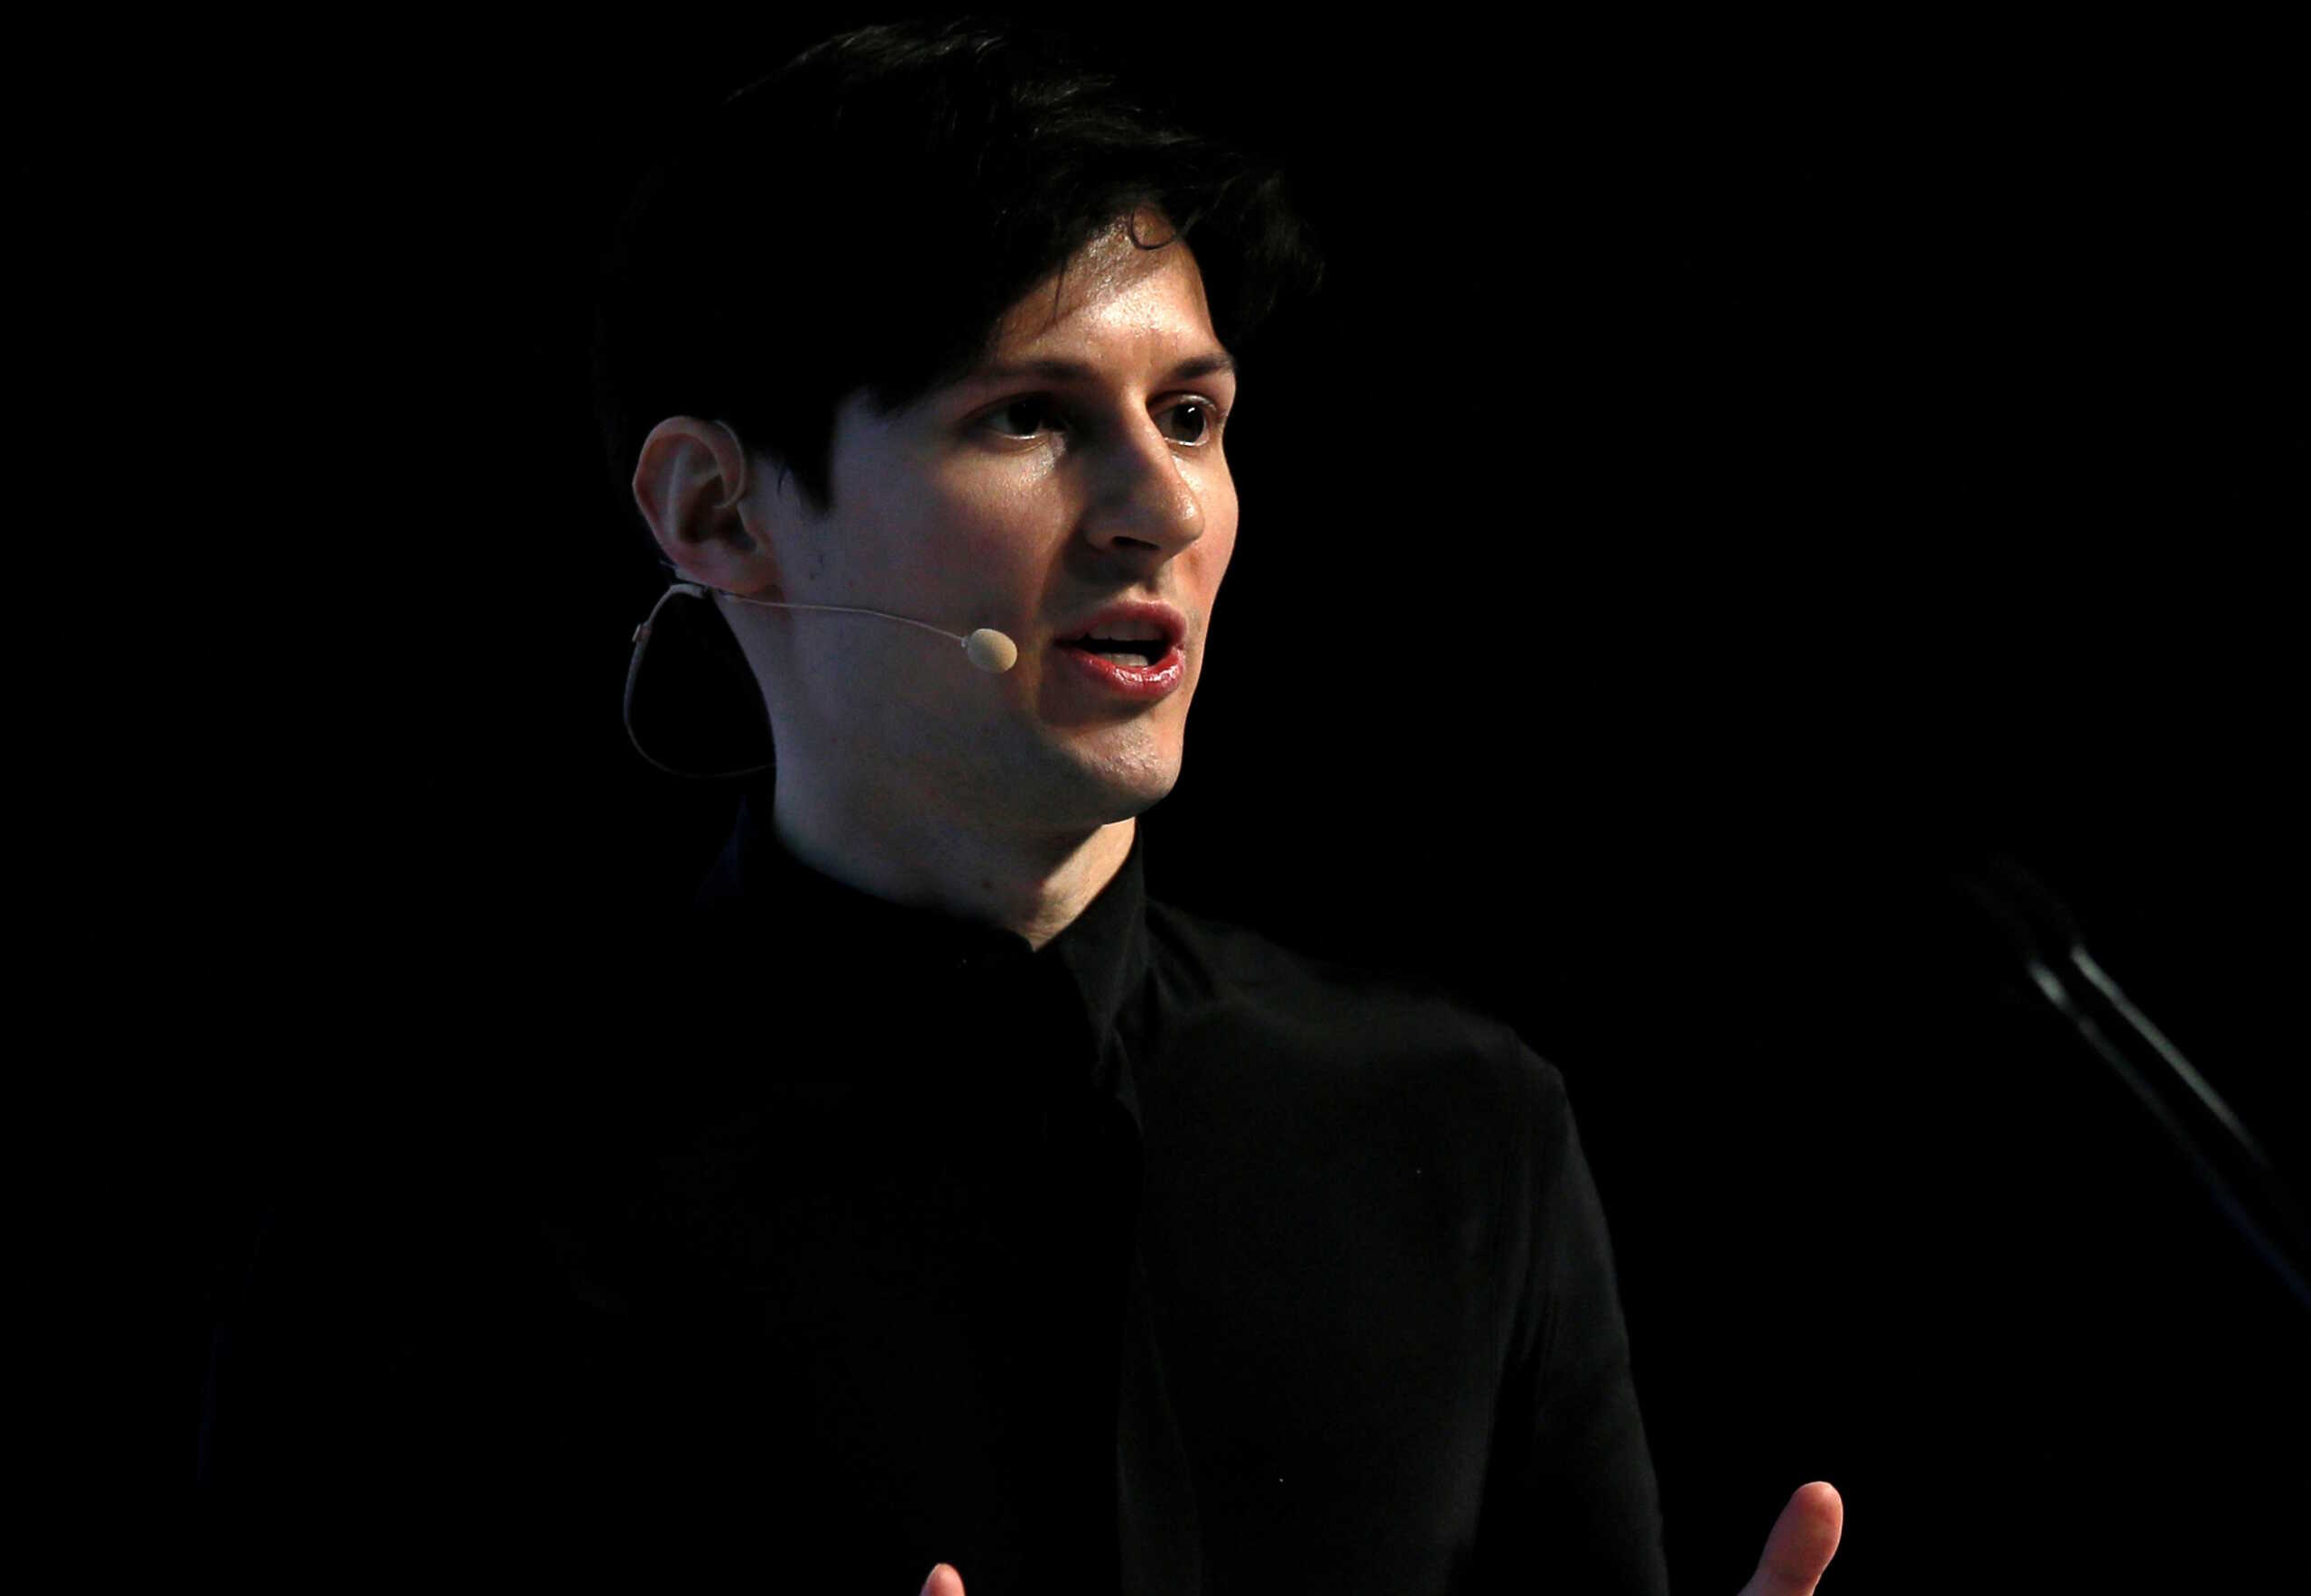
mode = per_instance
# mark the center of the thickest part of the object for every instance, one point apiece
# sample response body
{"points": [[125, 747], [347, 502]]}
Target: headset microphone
{"points": [[991, 650]]}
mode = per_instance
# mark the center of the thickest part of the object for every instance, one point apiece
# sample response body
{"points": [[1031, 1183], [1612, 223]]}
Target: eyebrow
{"points": [[1058, 370]]}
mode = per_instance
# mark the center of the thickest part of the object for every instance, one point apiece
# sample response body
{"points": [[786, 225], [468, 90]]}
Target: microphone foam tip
{"points": [[991, 650]]}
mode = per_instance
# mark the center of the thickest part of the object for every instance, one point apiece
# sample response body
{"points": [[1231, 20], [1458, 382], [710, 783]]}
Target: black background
{"points": [[1758, 470]]}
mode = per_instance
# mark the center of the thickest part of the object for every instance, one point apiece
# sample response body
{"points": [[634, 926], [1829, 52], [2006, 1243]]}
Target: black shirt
{"points": [[1163, 1258]]}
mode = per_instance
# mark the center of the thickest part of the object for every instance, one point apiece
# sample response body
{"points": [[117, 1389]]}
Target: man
{"points": [[951, 1201]]}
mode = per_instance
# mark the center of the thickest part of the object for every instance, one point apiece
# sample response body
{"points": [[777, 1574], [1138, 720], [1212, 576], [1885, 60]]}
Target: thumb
{"points": [[1804, 1540], [942, 1580]]}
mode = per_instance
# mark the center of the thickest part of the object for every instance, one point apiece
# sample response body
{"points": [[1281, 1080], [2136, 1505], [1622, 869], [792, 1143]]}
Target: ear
{"points": [[691, 483]]}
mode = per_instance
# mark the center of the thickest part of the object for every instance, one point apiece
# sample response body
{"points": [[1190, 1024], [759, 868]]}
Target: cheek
{"points": [[974, 547], [1219, 519], [994, 562], [1213, 553]]}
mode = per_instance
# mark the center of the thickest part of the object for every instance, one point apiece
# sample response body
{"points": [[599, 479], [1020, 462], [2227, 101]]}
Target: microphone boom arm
{"points": [[2031, 917]]}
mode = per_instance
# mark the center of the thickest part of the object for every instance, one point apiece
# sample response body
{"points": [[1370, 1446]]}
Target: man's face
{"points": [[1021, 502]]}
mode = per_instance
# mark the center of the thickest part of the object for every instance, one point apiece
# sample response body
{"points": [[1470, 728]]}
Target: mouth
{"points": [[1141, 671], [1129, 646], [1132, 634], [1136, 652]]}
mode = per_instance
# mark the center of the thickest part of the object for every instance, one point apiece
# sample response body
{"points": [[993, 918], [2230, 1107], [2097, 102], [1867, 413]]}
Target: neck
{"points": [[1033, 883]]}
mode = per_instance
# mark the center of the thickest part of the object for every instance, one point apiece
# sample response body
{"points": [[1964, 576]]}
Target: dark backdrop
{"points": [[1756, 472]]}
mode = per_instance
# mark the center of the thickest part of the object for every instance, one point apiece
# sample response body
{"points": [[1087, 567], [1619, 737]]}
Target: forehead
{"points": [[1115, 293]]}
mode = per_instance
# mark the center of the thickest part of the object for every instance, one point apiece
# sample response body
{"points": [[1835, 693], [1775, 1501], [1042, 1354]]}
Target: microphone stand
{"points": [[2236, 1172]]}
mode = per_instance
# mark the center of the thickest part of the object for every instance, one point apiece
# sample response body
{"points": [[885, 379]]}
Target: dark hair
{"points": [[804, 204]]}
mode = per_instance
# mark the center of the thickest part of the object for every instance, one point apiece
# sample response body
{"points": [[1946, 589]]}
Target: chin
{"points": [[1133, 789]]}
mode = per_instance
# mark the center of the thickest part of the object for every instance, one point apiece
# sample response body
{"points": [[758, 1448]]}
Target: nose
{"points": [[1145, 501]]}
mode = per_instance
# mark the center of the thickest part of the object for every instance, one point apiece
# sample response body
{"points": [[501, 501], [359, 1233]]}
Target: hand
{"points": [[1804, 1540], [943, 1582]]}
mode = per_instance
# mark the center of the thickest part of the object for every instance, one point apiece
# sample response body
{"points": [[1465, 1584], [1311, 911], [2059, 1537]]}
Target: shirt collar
{"points": [[1089, 977]]}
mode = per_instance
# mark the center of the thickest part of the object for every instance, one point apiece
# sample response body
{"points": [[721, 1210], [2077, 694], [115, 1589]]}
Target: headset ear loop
{"points": [[642, 634]]}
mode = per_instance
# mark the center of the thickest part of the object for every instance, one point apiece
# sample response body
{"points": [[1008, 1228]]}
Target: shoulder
{"points": [[1344, 1014]]}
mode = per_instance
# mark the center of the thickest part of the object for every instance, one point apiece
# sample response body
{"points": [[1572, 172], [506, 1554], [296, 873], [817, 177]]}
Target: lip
{"points": [[1141, 683], [1168, 620]]}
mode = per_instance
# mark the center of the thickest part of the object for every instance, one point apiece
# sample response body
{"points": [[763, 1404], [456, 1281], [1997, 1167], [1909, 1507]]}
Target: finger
{"points": [[1804, 1540], [942, 1580]]}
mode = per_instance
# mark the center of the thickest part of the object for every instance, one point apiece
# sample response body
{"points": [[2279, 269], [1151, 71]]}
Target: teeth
{"points": [[1129, 634]]}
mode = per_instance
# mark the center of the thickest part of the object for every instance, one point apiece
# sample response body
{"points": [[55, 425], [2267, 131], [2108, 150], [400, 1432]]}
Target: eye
{"points": [[1030, 407], [1209, 419]]}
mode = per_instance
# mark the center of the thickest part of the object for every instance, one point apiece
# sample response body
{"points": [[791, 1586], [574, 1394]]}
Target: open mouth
{"points": [[1141, 652]]}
